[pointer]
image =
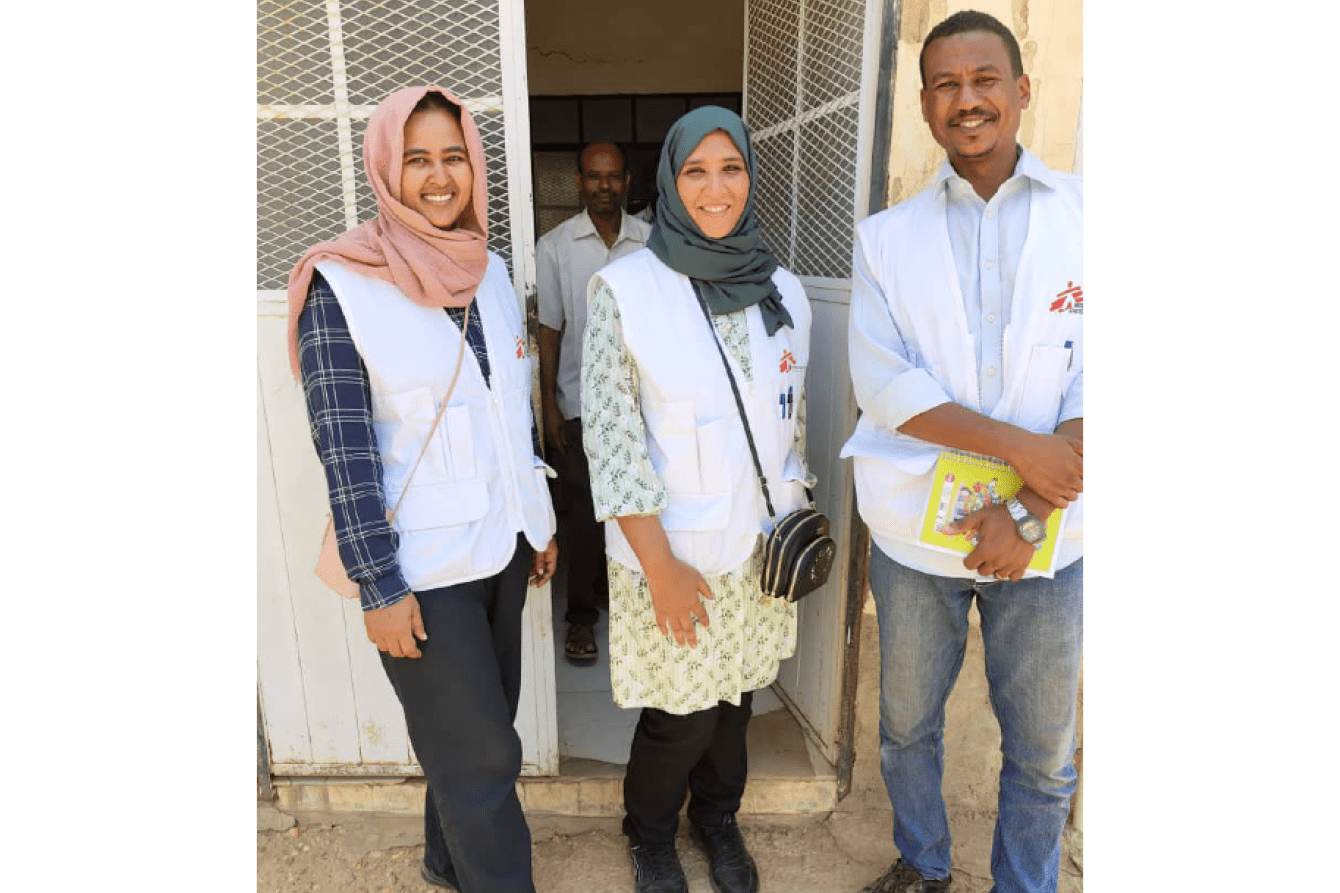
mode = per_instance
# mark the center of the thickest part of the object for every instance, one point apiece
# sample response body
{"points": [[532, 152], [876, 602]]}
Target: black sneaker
{"points": [[903, 878], [438, 880], [733, 869], [656, 869]]}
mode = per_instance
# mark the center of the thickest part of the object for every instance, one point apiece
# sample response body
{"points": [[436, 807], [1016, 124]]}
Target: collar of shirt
{"points": [[1028, 165], [586, 227]]}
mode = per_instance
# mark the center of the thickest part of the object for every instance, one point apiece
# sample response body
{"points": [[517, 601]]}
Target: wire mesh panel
{"points": [[293, 53], [321, 68], [802, 89], [298, 197]]}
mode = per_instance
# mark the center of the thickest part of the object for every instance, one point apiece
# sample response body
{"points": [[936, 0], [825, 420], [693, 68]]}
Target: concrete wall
{"points": [[1050, 34], [636, 46]]}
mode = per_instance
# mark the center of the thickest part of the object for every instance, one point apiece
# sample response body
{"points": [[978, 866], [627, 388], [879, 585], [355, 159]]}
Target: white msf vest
{"points": [[694, 434], [479, 482], [911, 257]]}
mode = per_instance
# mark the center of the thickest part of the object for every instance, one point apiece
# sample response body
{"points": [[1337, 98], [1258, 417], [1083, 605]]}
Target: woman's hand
{"points": [[394, 628], [546, 562], [675, 589], [675, 586]]}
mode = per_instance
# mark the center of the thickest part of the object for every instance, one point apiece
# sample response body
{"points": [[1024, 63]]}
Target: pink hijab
{"points": [[432, 267]]}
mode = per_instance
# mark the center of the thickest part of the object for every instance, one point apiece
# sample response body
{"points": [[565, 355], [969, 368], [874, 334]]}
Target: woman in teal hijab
{"points": [[691, 634]]}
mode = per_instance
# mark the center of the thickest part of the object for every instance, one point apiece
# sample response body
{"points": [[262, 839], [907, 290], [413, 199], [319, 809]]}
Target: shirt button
{"points": [[990, 371], [990, 264], [990, 213], [991, 317]]}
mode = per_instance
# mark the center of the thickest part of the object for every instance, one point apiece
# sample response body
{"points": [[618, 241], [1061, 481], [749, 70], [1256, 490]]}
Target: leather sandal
{"points": [[581, 642]]}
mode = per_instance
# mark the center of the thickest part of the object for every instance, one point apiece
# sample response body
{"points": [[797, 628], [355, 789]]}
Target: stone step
{"points": [[787, 777]]}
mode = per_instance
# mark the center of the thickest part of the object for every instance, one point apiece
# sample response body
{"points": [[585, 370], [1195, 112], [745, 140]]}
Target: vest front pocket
{"points": [[1040, 396], [695, 466], [458, 440], [446, 504], [401, 423]]}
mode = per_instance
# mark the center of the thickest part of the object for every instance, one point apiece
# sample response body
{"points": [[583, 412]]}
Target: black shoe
{"points": [[656, 869], [903, 878], [733, 869], [438, 880]]}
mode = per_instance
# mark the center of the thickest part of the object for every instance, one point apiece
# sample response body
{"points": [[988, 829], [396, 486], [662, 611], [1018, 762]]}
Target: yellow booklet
{"points": [[966, 482]]}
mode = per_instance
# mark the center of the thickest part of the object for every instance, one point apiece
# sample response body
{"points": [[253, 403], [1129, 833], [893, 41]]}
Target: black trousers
{"points": [[702, 754], [460, 700], [581, 536]]}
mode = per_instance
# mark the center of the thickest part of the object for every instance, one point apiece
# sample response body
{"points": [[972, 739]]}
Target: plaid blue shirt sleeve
{"points": [[339, 410]]}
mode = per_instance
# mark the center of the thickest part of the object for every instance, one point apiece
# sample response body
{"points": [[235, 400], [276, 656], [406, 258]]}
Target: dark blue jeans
{"points": [[460, 700]]}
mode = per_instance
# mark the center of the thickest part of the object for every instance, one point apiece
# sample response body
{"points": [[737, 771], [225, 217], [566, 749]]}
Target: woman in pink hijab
{"points": [[413, 356]]}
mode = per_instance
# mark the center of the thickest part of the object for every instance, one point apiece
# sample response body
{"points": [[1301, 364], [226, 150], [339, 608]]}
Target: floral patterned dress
{"points": [[748, 633]]}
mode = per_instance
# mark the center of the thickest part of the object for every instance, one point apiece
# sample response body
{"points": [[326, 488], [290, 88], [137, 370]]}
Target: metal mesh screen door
{"points": [[322, 66], [801, 100], [810, 81]]}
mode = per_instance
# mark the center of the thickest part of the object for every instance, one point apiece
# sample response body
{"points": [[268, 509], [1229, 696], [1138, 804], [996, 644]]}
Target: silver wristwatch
{"points": [[1030, 528]]}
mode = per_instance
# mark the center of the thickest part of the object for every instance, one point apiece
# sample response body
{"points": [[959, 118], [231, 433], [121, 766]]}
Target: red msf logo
{"points": [[1069, 301], [788, 361], [520, 348]]}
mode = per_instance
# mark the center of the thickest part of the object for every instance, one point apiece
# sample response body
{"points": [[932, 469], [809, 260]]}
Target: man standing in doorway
{"points": [[567, 256], [966, 333]]}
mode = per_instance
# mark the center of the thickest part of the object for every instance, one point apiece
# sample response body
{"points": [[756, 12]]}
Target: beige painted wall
{"points": [[634, 46], [1050, 34]]}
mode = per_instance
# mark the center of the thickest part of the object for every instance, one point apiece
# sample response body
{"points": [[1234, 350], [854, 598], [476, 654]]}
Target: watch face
{"points": [[1032, 530]]}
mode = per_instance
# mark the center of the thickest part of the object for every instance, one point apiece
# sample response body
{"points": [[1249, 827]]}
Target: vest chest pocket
{"points": [[1040, 396], [695, 466], [401, 423], [458, 442]]}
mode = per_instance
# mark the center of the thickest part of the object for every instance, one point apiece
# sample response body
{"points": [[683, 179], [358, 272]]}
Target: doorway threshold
{"points": [[788, 776]]}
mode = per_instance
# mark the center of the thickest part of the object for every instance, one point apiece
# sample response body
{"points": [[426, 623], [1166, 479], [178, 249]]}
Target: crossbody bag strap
{"points": [[739, 404], [443, 408]]}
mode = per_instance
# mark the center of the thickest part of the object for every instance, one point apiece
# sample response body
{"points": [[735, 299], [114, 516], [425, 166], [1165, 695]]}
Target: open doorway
{"points": [[624, 74]]}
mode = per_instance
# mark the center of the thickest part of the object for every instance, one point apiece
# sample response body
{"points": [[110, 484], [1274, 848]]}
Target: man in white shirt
{"points": [[566, 258], [966, 332]]}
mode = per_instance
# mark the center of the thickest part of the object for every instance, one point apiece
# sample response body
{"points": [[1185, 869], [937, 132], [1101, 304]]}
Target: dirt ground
{"points": [[837, 854]]}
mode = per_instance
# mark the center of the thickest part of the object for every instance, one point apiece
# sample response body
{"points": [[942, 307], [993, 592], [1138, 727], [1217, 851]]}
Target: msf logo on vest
{"points": [[1069, 301]]}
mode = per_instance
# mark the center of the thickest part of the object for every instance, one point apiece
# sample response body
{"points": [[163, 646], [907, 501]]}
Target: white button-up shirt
{"points": [[566, 258], [987, 240]]}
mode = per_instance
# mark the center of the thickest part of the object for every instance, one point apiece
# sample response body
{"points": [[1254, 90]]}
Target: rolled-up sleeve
{"points": [[889, 388], [623, 480]]}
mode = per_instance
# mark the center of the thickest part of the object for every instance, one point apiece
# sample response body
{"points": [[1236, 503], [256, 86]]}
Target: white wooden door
{"points": [[809, 88], [323, 65]]}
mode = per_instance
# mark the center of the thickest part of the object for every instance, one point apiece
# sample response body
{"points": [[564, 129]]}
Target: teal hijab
{"points": [[733, 272]]}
